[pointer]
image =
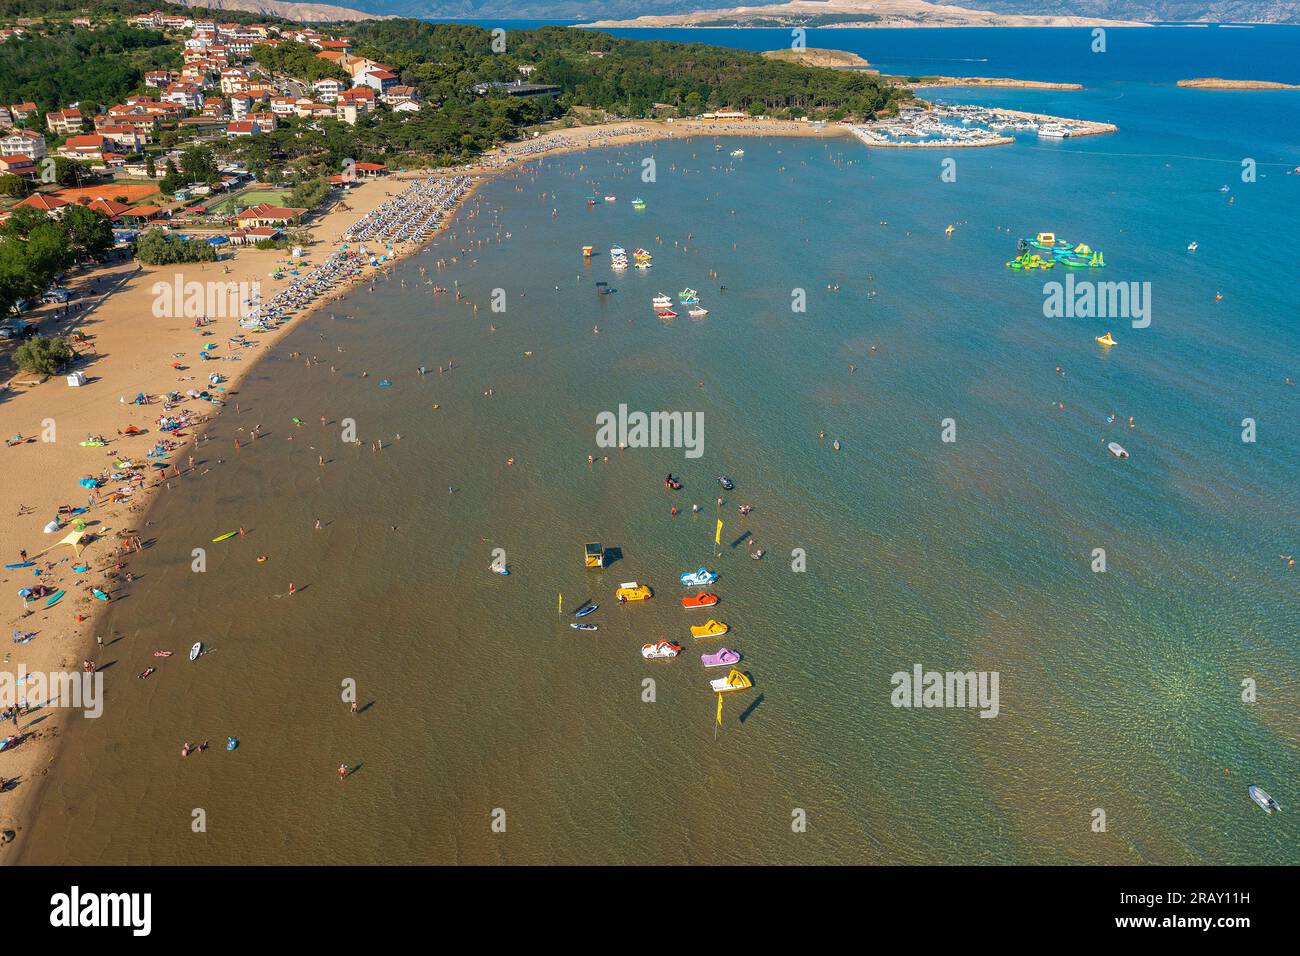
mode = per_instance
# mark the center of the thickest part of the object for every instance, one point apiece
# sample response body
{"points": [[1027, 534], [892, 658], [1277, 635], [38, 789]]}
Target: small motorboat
{"points": [[146, 672], [611, 198], [734, 680], [162, 653], [659, 650], [585, 609], [502, 571], [726, 482], [1258, 794], [709, 628], [585, 627], [631, 591], [666, 314], [1116, 449], [699, 577], [722, 657], [1107, 340], [1193, 246], [700, 599]]}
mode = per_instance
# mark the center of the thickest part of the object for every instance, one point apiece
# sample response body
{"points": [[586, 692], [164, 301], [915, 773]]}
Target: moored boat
{"points": [[638, 203], [660, 649], [709, 628], [666, 314], [722, 657], [1266, 802], [697, 312], [1116, 449], [698, 578], [631, 591], [734, 680], [700, 599]]}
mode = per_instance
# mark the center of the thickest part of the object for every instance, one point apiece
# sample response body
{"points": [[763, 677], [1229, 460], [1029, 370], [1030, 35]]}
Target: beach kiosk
{"points": [[595, 555]]}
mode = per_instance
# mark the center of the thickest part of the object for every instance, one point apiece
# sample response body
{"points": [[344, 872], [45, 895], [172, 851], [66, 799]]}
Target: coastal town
{"points": [[116, 160]]}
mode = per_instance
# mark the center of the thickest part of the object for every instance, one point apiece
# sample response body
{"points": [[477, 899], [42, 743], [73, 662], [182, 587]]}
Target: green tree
{"points": [[197, 164], [22, 221], [69, 172], [42, 356], [11, 185], [89, 233], [156, 247]]}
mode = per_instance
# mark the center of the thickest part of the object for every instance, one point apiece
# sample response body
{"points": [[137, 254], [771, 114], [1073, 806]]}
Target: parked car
{"points": [[17, 330]]}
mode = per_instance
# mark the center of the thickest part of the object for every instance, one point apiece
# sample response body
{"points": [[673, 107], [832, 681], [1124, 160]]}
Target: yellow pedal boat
{"points": [[1107, 340], [710, 628], [631, 591], [735, 680]]}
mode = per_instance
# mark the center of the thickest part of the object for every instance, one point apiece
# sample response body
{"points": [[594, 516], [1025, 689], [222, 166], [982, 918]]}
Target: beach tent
{"points": [[73, 538]]}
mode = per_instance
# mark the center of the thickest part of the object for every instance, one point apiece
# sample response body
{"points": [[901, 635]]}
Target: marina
{"points": [[958, 125]]}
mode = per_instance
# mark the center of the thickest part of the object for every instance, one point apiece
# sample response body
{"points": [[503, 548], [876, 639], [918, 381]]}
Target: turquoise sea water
{"points": [[1119, 691]]}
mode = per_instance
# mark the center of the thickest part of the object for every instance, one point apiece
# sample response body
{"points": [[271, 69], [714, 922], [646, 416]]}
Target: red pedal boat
{"points": [[700, 599]]}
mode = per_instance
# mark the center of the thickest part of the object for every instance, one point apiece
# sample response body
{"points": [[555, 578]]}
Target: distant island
{"points": [[922, 81], [834, 59], [1216, 83]]}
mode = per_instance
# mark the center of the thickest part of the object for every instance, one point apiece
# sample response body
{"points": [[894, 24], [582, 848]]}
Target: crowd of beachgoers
{"points": [[407, 217], [413, 213], [560, 141]]}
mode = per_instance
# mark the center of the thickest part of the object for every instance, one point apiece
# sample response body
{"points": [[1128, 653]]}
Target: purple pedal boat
{"points": [[722, 657]]}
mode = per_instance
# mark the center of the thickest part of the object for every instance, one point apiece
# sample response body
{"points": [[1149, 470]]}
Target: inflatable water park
{"points": [[1045, 251]]}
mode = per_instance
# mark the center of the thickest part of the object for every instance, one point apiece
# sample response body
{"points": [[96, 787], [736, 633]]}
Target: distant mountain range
{"points": [[302, 12], [1215, 11]]}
